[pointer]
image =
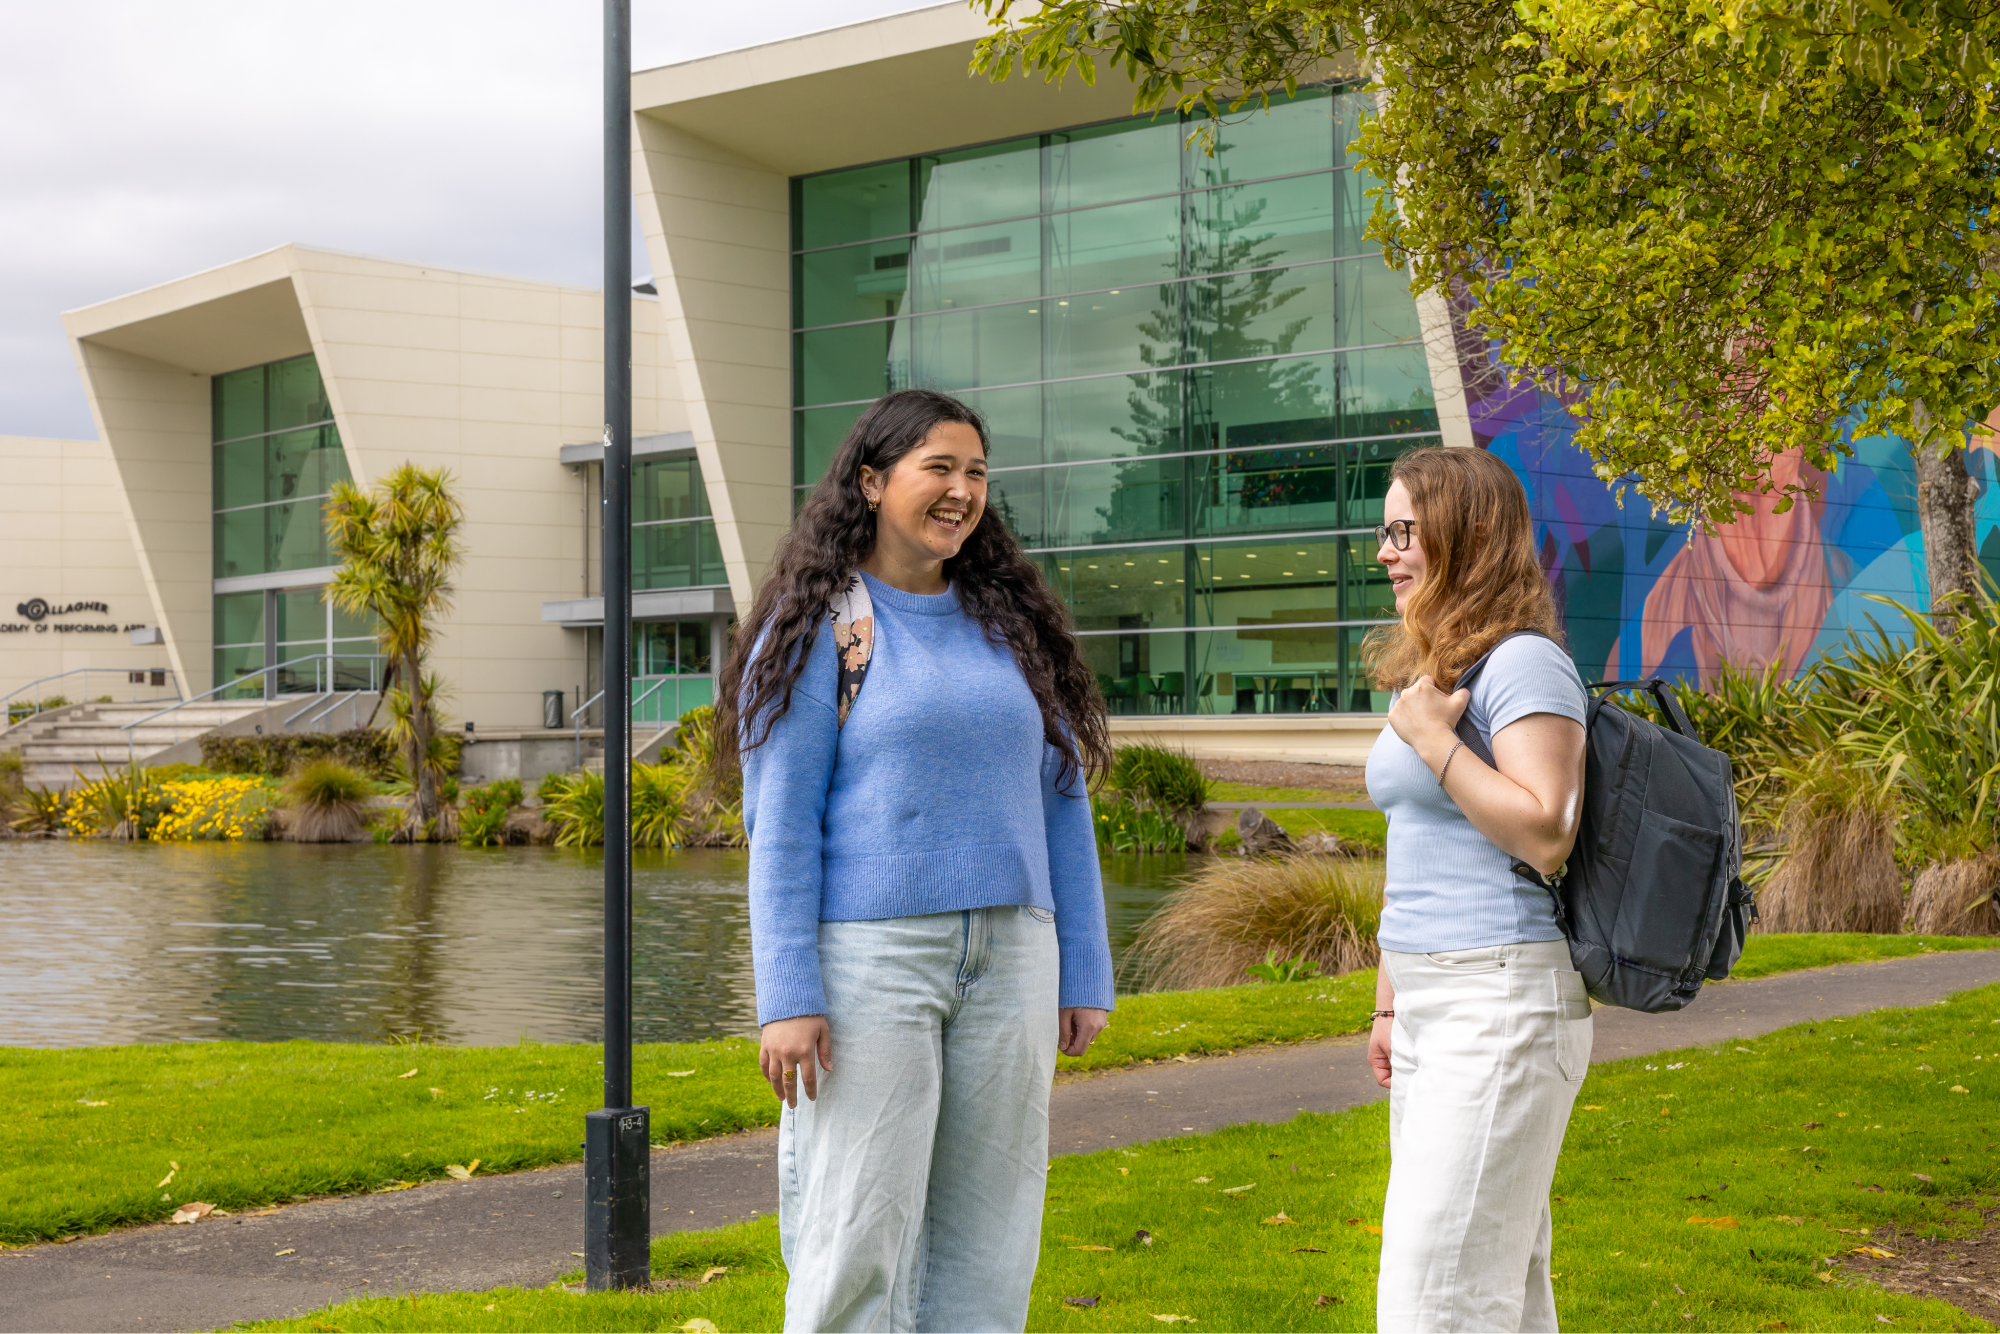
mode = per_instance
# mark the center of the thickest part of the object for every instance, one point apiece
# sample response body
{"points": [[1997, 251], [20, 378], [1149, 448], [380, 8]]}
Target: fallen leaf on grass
{"points": [[489, 1306], [1124, 1171], [1877, 1189], [1090, 1248], [1203, 1181], [1592, 1107], [1170, 1319], [88, 1103], [1875, 1252], [1323, 1301], [407, 1074], [1920, 1176], [1812, 1125], [1960, 1088], [457, 1173], [1307, 1250], [289, 1250], [1824, 1276], [394, 1185], [192, 1211], [1234, 1190], [1081, 1301], [1666, 1111], [1786, 1218], [436, 1094], [679, 1074], [716, 1271], [175, 1167], [1699, 1221], [1277, 1220], [1885, 1319], [698, 1325]]}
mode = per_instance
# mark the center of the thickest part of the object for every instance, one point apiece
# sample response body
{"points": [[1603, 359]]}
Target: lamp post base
{"points": [[617, 1199]]}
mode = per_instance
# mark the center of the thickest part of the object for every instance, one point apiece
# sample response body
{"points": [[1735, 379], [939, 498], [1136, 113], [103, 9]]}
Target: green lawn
{"points": [[88, 1132], [1706, 1189], [1250, 792]]}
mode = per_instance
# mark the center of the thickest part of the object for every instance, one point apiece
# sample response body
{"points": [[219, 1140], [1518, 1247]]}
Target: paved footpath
{"points": [[527, 1227]]}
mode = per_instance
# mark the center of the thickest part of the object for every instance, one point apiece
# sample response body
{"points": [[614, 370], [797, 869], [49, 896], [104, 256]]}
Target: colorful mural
{"points": [[1641, 597]]}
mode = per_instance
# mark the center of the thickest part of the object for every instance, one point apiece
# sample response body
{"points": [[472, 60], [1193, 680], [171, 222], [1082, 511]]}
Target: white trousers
{"points": [[1488, 1049], [910, 1194]]}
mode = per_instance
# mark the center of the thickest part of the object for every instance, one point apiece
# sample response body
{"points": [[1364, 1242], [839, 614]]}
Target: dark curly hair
{"points": [[998, 586]]}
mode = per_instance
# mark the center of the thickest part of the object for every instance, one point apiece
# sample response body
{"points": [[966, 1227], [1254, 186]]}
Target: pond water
{"points": [[143, 942]]}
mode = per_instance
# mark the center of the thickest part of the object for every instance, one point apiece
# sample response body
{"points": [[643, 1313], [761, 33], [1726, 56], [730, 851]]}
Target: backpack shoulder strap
{"points": [[1466, 731], [853, 616]]}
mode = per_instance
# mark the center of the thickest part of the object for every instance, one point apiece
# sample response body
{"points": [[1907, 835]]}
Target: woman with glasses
{"points": [[1482, 1027], [916, 723]]}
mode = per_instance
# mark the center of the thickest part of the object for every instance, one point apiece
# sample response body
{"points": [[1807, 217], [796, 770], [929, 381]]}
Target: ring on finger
{"points": [[790, 1075]]}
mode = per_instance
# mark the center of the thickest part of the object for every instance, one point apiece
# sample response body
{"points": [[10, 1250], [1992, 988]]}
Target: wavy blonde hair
{"points": [[1481, 580]]}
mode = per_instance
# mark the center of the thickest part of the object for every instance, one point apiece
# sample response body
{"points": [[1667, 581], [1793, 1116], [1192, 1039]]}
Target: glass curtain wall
{"points": [[673, 535], [275, 458], [1195, 371]]}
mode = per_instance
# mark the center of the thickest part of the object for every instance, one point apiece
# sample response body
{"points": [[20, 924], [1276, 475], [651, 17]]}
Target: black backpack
{"points": [[1652, 898]]}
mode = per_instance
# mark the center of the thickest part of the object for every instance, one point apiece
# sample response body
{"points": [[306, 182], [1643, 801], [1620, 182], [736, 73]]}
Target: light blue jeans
{"points": [[910, 1194]]}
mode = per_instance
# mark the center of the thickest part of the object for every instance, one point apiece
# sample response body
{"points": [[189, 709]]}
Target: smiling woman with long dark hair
{"points": [[926, 911]]}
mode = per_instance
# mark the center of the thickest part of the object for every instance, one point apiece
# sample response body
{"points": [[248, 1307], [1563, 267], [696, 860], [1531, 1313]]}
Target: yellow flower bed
{"points": [[232, 808]]}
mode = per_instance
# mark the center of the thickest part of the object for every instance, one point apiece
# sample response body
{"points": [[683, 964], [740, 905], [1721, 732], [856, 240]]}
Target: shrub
{"points": [[1230, 915], [482, 818], [658, 804], [712, 790], [551, 787], [576, 809], [41, 810], [274, 756], [1124, 827], [1838, 871], [234, 807], [328, 803], [123, 804], [1152, 801]]}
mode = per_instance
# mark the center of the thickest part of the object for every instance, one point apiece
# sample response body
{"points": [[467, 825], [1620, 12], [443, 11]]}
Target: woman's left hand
{"points": [[1078, 1027], [1423, 713]]}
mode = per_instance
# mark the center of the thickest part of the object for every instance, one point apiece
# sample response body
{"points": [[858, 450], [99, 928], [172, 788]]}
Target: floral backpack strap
{"points": [[853, 640]]}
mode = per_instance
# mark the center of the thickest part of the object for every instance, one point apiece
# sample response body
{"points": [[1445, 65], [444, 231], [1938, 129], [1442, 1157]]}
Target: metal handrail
{"points": [[311, 704], [352, 700], [85, 673], [267, 672], [577, 713]]}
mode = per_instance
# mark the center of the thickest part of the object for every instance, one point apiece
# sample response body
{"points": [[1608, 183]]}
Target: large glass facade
{"points": [[275, 458], [1195, 370]]}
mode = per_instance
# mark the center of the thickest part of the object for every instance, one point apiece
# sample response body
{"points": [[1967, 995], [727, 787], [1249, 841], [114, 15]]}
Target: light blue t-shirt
{"points": [[1448, 888]]}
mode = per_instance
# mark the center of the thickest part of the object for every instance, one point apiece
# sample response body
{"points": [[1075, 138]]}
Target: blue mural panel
{"points": [[1641, 597]]}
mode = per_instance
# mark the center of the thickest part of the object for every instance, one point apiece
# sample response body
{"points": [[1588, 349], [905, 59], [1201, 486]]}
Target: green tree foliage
{"points": [[1724, 229], [398, 548]]}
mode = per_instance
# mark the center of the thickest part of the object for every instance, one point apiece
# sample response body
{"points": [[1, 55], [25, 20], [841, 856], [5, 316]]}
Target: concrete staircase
{"points": [[57, 744]]}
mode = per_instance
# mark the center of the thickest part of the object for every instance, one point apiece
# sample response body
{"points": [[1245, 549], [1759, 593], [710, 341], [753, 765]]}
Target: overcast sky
{"points": [[142, 141]]}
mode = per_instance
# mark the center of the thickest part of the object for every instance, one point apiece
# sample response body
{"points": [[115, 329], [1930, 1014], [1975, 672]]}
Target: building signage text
{"points": [[37, 612]]}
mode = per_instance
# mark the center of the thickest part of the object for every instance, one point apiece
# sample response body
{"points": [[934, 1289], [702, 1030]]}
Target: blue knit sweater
{"points": [[938, 795]]}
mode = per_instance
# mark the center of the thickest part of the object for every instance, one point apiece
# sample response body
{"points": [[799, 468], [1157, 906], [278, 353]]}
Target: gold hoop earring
{"points": [[874, 505]]}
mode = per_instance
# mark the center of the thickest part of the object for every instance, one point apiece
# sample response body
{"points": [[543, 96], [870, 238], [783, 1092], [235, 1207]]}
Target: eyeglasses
{"points": [[1396, 534]]}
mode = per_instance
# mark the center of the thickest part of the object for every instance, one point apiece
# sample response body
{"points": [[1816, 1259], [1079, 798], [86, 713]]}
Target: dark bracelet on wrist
{"points": [[1383, 1014]]}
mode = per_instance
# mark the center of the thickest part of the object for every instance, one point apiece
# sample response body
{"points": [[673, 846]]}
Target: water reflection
{"points": [[104, 942]]}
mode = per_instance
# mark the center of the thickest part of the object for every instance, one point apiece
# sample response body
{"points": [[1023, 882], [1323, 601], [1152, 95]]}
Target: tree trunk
{"points": [[421, 776], [1945, 497]]}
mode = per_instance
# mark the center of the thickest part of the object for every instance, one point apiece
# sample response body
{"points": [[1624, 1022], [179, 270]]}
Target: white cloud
{"points": [[143, 141]]}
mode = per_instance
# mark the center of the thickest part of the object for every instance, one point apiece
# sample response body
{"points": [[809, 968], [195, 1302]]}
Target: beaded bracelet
{"points": [[1383, 1014]]}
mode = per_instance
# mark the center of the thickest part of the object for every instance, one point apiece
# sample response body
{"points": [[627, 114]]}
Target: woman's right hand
{"points": [[794, 1051], [1378, 1049]]}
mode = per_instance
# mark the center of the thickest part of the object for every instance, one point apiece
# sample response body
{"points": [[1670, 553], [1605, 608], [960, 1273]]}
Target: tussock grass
{"points": [[1227, 914], [1957, 897], [326, 802], [1839, 871]]}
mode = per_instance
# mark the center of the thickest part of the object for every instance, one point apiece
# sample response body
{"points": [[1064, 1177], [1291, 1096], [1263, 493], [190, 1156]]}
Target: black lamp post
{"points": [[617, 1223]]}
